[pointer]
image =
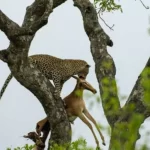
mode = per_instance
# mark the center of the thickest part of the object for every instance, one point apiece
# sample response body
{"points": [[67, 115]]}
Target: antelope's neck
{"points": [[78, 92]]}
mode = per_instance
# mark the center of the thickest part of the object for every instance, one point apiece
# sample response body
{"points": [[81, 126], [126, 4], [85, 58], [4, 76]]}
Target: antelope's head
{"points": [[83, 84]]}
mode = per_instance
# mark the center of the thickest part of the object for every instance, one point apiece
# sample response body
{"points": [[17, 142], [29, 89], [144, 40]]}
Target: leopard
{"points": [[56, 69]]}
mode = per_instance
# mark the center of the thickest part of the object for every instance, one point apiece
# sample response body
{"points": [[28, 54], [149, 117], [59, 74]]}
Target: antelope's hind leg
{"points": [[40, 125]]}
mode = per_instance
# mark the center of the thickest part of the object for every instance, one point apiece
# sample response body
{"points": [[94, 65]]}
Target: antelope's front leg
{"points": [[89, 116], [82, 117]]}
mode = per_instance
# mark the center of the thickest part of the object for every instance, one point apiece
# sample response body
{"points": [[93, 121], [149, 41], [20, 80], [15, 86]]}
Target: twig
{"points": [[110, 27], [147, 7]]}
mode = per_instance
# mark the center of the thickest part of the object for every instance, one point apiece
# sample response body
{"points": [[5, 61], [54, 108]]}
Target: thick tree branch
{"points": [[9, 27], [139, 96], [104, 64], [57, 3], [36, 12], [37, 15]]}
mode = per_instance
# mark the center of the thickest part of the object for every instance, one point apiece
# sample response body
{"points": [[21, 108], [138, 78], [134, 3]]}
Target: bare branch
{"points": [[37, 9], [56, 3], [9, 27], [37, 15], [110, 27], [146, 7], [104, 64]]}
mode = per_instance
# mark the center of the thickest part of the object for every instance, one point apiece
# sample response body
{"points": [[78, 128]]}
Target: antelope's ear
{"points": [[88, 66]]}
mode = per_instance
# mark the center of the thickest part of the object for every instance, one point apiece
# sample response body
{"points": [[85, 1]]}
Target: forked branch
{"points": [[137, 108], [36, 17]]}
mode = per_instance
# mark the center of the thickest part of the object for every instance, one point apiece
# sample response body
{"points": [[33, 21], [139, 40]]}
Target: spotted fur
{"points": [[56, 69]]}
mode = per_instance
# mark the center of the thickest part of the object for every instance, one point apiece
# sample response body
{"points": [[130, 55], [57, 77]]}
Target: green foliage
{"points": [[80, 144], [26, 147], [107, 5], [144, 147], [146, 85]]}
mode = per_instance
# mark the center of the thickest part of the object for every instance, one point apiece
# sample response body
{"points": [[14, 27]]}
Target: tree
{"points": [[121, 120]]}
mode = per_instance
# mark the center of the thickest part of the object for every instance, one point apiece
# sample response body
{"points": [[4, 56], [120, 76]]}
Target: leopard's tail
{"points": [[5, 85]]}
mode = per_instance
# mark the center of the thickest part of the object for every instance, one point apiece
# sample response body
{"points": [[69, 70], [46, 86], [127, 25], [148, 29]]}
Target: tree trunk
{"points": [[124, 122], [16, 56]]}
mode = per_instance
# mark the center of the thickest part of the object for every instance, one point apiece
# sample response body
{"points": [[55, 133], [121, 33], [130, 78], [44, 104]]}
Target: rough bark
{"points": [[125, 122], [26, 74]]}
